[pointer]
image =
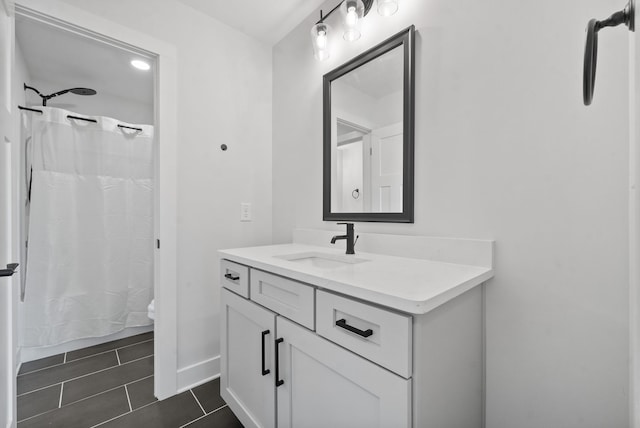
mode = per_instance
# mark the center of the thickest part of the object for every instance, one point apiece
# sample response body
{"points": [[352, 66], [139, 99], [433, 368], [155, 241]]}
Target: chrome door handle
{"points": [[10, 270]]}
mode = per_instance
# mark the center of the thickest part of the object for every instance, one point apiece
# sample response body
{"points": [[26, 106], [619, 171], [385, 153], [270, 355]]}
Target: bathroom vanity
{"points": [[312, 337]]}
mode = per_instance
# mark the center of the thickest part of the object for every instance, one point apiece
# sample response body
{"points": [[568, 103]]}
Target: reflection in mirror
{"points": [[366, 128], [368, 134]]}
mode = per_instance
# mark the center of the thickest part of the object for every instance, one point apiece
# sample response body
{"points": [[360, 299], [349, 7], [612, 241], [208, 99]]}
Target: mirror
{"points": [[368, 124]]}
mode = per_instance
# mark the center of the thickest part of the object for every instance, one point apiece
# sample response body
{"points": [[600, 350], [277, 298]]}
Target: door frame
{"points": [[73, 19], [9, 284], [634, 229]]}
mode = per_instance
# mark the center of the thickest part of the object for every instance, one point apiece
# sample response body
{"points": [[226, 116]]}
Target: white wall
{"points": [[365, 110], [224, 85], [505, 150]]}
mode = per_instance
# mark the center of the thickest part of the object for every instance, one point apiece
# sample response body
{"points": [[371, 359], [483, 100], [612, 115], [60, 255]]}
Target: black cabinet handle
{"points": [[278, 380], [343, 324], [231, 277], [265, 371], [10, 270]]}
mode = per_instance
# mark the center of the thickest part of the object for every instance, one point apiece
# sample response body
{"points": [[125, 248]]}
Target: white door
{"points": [[386, 169], [246, 351], [7, 345], [324, 385]]}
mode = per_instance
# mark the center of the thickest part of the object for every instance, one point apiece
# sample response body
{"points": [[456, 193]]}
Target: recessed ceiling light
{"points": [[140, 65]]}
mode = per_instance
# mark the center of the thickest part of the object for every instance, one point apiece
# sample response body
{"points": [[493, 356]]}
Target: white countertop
{"points": [[409, 285]]}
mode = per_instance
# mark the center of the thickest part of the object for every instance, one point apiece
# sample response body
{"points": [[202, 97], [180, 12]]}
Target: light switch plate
{"points": [[245, 211]]}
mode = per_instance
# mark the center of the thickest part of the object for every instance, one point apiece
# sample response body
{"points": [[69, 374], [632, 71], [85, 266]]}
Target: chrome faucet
{"points": [[349, 237]]}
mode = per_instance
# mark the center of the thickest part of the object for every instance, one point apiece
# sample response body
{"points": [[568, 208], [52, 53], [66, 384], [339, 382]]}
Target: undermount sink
{"points": [[322, 260]]}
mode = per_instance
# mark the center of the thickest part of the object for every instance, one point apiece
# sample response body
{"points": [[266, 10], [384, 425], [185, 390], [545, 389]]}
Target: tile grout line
{"points": [[109, 420], [204, 413], [61, 389], [202, 417], [40, 389], [82, 358], [124, 414], [118, 357], [85, 375], [128, 398], [219, 408], [94, 395]]}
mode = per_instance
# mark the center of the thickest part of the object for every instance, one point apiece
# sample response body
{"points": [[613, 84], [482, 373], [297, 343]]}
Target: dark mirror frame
{"points": [[405, 38]]}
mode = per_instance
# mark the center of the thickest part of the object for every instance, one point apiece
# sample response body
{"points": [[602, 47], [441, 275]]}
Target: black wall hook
{"points": [[625, 16]]}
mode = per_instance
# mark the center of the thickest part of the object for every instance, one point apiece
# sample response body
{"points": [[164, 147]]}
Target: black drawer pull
{"points": [[10, 270], [343, 324], [278, 380], [231, 277], [265, 371]]}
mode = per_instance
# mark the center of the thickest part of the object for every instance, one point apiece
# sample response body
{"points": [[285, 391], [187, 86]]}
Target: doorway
{"points": [[86, 189], [97, 30]]}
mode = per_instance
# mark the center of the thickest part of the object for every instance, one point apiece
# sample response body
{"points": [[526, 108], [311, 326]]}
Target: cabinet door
{"points": [[325, 385], [246, 354]]}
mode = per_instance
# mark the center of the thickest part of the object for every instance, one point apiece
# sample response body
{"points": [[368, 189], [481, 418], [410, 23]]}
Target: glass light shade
{"points": [[352, 13], [320, 41], [387, 7]]}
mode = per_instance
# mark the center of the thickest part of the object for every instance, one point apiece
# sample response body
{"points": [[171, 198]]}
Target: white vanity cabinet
{"points": [[317, 383], [247, 356], [296, 355], [324, 385]]}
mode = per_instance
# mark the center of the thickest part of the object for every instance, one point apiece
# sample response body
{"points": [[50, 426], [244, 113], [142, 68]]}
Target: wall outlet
{"points": [[245, 211]]}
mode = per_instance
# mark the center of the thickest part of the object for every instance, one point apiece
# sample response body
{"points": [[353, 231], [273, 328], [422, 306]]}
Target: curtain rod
{"points": [[30, 109], [69, 116], [80, 118], [130, 127]]}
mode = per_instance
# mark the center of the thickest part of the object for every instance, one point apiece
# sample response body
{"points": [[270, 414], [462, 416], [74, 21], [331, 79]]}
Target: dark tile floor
{"points": [[111, 385]]}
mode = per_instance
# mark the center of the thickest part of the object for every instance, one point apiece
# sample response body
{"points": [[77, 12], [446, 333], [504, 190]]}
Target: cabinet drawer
{"points": [[291, 299], [379, 335], [235, 277]]}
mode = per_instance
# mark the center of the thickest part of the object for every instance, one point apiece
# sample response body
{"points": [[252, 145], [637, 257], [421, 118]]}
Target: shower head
{"points": [[77, 91], [82, 91]]}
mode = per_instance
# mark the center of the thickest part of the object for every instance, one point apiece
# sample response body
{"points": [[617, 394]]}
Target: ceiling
{"points": [[380, 77], [266, 20], [58, 59]]}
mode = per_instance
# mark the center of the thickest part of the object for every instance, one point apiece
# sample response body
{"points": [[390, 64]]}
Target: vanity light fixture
{"points": [[320, 38], [352, 13]]}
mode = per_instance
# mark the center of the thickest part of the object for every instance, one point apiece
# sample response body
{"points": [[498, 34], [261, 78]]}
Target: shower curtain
{"points": [[90, 237]]}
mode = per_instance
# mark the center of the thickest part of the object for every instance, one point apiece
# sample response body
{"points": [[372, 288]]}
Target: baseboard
{"points": [[35, 353], [198, 373], [18, 359]]}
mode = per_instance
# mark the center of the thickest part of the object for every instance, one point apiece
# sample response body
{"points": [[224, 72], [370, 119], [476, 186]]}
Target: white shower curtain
{"points": [[90, 247]]}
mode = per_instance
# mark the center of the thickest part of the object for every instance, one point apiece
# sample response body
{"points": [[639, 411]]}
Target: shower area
{"points": [[87, 189]]}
